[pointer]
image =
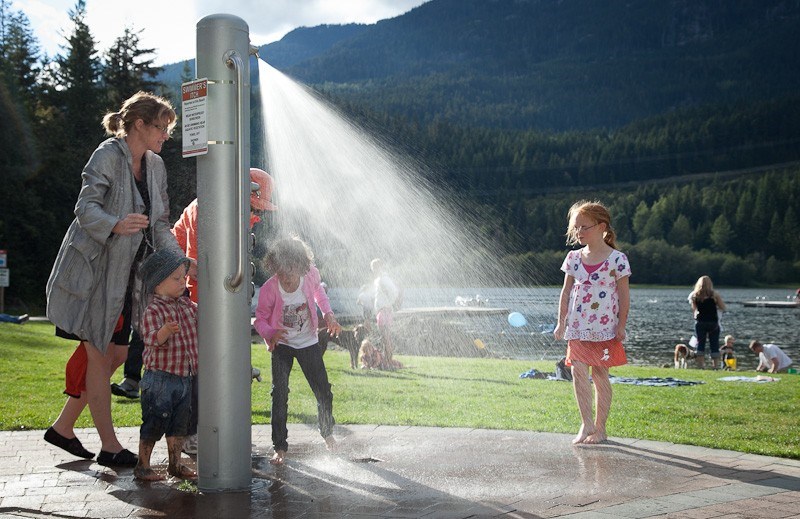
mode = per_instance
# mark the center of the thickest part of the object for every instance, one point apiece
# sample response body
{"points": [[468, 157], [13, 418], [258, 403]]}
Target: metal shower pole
{"points": [[224, 286]]}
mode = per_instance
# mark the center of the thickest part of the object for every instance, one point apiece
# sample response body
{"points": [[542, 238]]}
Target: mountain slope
{"points": [[563, 64]]}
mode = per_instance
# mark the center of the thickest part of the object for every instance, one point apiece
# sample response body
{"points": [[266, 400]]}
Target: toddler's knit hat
{"points": [[158, 266]]}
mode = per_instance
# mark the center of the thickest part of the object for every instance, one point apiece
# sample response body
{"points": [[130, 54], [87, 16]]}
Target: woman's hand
{"points": [[131, 224]]}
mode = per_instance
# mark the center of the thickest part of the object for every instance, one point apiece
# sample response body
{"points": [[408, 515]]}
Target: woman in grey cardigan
{"points": [[122, 215]]}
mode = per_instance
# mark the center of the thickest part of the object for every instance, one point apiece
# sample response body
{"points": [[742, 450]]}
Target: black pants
{"points": [[310, 360], [133, 364]]}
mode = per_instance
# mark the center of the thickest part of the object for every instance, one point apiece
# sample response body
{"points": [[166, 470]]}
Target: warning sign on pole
{"points": [[195, 130]]}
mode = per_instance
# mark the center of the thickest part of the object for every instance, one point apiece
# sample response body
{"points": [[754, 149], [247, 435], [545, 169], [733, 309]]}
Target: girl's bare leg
{"points": [[603, 393], [583, 396], [388, 350]]}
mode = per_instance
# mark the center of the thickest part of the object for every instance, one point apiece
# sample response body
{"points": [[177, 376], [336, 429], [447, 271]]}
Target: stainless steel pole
{"points": [[223, 195]]}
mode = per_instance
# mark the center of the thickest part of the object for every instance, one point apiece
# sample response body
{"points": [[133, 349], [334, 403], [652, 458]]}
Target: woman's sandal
{"points": [[71, 445], [123, 458]]}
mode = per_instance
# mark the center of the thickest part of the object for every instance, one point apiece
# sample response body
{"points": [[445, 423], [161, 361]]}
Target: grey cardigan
{"points": [[86, 288]]}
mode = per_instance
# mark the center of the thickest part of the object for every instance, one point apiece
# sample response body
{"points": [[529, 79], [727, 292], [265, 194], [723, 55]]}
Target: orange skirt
{"points": [[603, 353]]}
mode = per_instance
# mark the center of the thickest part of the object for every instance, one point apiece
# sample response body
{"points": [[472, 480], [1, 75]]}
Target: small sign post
{"points": [[194, 104], [5, 278]]}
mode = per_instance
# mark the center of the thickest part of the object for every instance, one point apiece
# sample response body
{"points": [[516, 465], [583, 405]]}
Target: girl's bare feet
{"points": [[146, 474], [278, 457], [330, 443], [583, 434], [181, 471], [596, 437]]}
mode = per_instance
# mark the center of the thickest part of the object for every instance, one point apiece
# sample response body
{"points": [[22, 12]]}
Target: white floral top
{"points": [[593, 308]]}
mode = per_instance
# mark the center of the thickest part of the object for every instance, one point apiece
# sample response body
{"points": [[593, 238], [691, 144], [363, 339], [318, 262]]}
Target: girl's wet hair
{"points": [[596, 212], [150, 108], [289, 254]]}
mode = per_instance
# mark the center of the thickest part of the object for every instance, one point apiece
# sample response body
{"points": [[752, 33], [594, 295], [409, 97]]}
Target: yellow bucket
{"points": [[731, 364]]}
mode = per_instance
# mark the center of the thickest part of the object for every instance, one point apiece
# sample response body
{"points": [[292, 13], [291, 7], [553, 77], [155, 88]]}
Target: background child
{"points": [[707, 306], [728, 358], [386, 293], [168, 328], [369, 357], [286, 318], [592, 312]]}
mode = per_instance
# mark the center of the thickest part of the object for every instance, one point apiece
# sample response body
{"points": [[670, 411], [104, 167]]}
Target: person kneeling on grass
{"points": [[771, 358], [168, 327]]}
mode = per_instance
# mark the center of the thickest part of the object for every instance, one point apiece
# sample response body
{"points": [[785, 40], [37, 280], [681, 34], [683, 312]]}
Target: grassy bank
{"points": [[450, 392]]}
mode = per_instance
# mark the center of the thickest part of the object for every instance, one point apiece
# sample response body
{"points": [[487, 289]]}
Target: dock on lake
{"points": [[447, 311], [771, 304]]}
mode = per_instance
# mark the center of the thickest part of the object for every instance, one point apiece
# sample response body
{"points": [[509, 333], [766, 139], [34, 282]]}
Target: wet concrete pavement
{"points": [[384, 472]]}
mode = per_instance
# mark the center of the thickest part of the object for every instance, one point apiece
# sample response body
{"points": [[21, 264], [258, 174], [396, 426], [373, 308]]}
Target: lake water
{"points": [[659, 318]]}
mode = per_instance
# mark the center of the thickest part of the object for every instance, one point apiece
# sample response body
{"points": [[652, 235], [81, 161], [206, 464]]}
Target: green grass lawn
{"points": [[450, 392]]}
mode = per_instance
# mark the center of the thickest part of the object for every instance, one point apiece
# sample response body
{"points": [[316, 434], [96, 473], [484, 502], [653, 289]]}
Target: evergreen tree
{"points": [[78, 75], [127, 70], [774, 244], [20, 53], [791, 224], [681, 232], [640, 218], [722, 234]]}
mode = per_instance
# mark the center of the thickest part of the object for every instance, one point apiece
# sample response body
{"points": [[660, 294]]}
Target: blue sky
{"points": [[169, 26]]}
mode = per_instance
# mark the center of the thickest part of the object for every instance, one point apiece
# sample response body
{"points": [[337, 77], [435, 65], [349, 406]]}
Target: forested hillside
{"points": [[741, 231], [548, 64]]}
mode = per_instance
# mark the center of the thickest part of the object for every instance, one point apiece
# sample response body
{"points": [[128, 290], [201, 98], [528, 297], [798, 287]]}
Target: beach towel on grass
{"points": [[650, 381], [532, 373], [654, 381], [759, 378]]}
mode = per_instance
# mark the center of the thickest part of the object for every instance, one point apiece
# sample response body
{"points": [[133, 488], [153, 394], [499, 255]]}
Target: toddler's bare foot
{"points": [[146, 474], [596, 437], [278, 457], [583, 434], [181, 471], [330, 443]]}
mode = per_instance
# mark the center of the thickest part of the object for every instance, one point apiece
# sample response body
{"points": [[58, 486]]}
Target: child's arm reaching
{"points": [[334, 328], [563, 302]]}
